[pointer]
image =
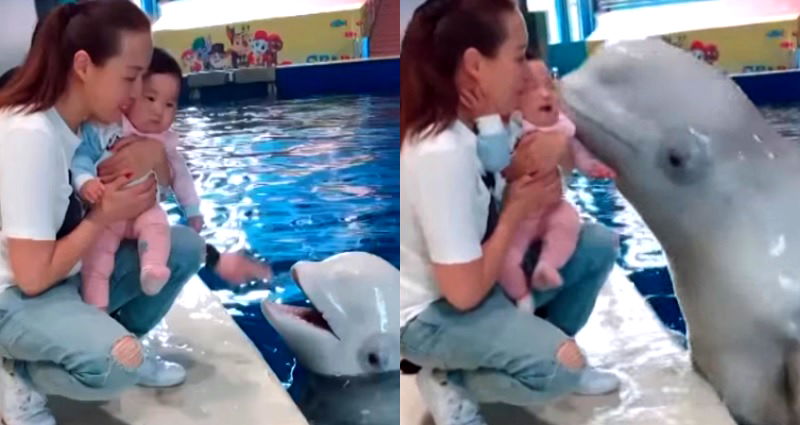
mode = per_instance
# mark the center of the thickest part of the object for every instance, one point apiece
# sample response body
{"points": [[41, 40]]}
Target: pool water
{"points": [[640, 253], [289, 181]]}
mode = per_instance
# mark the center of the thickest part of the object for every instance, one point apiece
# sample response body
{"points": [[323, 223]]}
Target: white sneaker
{"points": [[22, 405], [595, 381], [156, 372], [448, 404]]}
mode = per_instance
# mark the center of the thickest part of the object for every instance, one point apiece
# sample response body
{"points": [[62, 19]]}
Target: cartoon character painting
{"points": [[275, 46], [259, 49], [240, 45], [191, 61], [712, 53], [706, 52], [202, 46], [219, 59]]}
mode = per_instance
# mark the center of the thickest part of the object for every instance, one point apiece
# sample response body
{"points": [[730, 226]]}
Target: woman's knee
{"points": [[599, 243], [187, 251], [112, 371]]}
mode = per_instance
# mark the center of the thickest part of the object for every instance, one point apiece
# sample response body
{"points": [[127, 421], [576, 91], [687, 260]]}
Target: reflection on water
{"points": [[640, 253], [292, 181]]}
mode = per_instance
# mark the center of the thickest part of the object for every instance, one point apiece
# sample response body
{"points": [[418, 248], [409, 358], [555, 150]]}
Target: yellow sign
{"points": [[319, 37], [756, 47]]}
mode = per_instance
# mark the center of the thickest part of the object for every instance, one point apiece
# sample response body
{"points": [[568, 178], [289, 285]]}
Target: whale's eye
{"points": [[675, 159], [373, 360], [685, 160]]}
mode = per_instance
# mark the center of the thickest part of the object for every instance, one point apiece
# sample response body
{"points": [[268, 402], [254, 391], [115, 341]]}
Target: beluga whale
{"points": [[719, 188], [348, 336]]}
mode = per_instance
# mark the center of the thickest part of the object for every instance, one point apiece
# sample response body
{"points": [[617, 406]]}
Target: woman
{"points": [[86, 62], [473, 345]]}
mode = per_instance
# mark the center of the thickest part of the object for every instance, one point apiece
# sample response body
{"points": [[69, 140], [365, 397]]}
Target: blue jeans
{"points": [[62, 346], [501, 355]]}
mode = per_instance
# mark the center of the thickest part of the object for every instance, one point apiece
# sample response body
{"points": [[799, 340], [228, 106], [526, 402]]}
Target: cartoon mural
{"points": [[706, 52], [202, 47], [219, 58], [240, 45], [191, 61], [323, 37], [750, 47]]}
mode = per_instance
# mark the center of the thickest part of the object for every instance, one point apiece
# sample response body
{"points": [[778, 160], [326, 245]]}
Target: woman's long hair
{"points": [[94, 26], [434, 43]]}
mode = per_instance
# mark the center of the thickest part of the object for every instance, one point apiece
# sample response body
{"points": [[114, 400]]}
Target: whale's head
{"points": [[352, 325], [682, 136]]}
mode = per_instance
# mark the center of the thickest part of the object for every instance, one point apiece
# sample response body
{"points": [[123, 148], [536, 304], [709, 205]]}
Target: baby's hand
{"points": [[598, 170], [477, 102], [93, 190], [196, 223]]}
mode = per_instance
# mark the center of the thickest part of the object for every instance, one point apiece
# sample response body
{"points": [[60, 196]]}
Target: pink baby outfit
{"points": [[557, 227], [151, 228]]}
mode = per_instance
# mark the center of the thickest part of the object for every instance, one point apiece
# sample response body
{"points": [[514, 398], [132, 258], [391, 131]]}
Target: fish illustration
{"points": [[336, 23], [776, 33]]}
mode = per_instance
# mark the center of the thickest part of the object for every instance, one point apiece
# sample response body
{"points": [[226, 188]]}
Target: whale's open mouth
{"points": [[309, 313]]}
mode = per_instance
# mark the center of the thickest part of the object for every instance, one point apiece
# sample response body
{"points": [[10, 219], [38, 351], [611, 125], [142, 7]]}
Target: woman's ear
{"points": [[472, 63], [81, 63]]}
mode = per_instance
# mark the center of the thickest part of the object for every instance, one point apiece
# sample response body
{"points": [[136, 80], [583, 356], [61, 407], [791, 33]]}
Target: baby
{"points": [[557, 227], [150, 116]]}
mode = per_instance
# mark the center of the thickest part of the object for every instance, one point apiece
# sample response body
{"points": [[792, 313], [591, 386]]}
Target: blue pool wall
{"points": [[357, 77]]}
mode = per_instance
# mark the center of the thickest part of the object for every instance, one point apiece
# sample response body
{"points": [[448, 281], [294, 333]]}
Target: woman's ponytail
{"points": [[93, 26]]}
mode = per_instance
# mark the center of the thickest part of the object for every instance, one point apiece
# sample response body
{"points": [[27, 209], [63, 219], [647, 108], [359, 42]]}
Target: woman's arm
{"points": [[466, 285], [447, 186], [135, 157], [37, 265]]}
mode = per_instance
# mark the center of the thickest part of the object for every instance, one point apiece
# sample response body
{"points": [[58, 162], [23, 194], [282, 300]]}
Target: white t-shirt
{"points": [[35, 155], [444, 207]]}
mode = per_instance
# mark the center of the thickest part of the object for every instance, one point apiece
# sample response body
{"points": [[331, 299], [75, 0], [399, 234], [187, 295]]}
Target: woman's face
{"points": [[502, 77], [111, 88]]}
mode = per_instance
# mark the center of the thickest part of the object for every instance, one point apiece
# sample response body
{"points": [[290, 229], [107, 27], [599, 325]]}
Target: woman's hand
{"points": [[477, 102], [537, 152], [133, 157], [121, 203], [530, 194], [238, 269]]}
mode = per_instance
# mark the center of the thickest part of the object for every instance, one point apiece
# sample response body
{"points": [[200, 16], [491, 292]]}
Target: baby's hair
{"points": [[532, 53], [164, 63]]}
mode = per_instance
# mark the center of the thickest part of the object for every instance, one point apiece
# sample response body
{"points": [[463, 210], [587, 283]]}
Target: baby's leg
{"points": [[98, 264], [512, 276], [560, 235], [152, 230]]}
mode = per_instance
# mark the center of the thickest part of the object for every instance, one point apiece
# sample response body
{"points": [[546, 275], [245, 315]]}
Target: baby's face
{"points": [[154, 110], [539, 100]]}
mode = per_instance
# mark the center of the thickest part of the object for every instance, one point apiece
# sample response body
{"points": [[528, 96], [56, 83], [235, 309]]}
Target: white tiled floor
{"points": [[624, 334], [229, 382]]}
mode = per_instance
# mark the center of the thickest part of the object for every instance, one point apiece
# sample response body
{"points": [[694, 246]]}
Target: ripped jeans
{"points": [[501, 355], [62, 346]]}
